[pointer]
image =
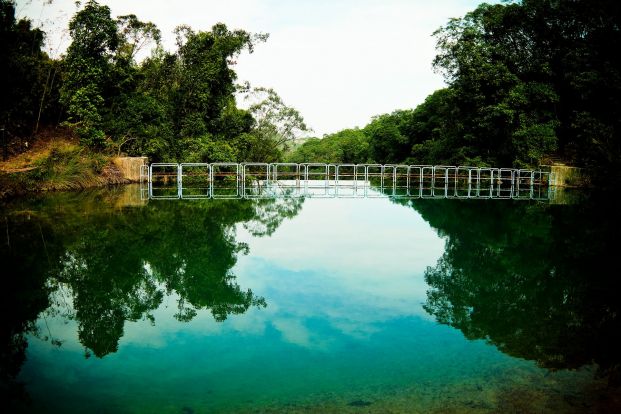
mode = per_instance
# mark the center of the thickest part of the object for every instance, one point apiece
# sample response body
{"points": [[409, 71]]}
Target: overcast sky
{"points": [[339, 62]]}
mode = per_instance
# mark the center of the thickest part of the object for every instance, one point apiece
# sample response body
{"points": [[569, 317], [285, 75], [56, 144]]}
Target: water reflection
{"points": [[75, 257], [25, 267], [536, 281], [342, 262], [335, 300]]}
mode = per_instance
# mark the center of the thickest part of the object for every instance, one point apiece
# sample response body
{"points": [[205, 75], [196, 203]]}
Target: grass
{"points": [[56, 164]]}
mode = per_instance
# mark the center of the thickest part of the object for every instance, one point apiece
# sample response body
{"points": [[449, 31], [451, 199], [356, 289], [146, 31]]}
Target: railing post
{"points": [[179, 180], [503, 182]]}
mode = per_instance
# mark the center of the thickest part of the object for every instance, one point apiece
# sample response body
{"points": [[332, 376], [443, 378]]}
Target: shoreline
{"points": [[16, 184]]}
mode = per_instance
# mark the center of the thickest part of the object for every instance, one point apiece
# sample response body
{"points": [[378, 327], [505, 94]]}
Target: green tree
{"points": [[184, 102], [501, 88], [535, 78], [142, 121], [349, 146], [135, 35], [135, 121], [24, 74], [433, 131], [277, 126], [388, 137], [88, 66], [202, 99]]}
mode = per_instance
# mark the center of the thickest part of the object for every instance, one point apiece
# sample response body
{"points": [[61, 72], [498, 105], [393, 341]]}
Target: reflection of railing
{"points": [[261, 180]]}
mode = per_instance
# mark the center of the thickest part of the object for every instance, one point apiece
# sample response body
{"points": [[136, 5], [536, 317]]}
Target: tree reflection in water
{"points": [[75, 255], [532, 279], [537, 281]]}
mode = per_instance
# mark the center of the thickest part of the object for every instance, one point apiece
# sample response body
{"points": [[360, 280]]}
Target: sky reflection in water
{"points": [[343, 326]]}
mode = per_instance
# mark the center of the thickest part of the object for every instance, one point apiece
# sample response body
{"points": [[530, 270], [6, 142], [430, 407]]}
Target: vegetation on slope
{"points": [[527, 81], [56, 164]]}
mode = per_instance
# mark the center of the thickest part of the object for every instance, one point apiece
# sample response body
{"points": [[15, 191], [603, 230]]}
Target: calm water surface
{"points": [[320, 305]]}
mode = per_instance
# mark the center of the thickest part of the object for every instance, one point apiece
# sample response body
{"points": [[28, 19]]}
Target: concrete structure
{"points": [[130, 167], [565, 176]]}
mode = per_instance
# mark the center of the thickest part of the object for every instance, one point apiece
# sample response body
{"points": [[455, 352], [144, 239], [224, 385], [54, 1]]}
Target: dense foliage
{"points": [[527, 81], [29, 79], [346, 146], [176, 105], [534, 78]]}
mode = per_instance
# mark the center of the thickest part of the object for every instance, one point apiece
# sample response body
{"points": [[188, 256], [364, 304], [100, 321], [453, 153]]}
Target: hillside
{"points": [[56, 161]]}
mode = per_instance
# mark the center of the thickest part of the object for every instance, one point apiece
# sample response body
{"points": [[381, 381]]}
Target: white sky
{"points": [[338, 62]]}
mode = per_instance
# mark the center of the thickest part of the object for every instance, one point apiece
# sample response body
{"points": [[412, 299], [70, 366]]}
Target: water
{"points": [[116, 304]]}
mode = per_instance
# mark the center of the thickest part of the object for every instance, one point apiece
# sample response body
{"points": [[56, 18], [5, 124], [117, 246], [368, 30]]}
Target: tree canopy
{"points": [[527, 82], [171, 105], [28, 77]]}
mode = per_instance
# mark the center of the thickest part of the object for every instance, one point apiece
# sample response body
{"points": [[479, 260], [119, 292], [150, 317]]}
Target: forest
{"points": [[527, 83], [170, 106]]}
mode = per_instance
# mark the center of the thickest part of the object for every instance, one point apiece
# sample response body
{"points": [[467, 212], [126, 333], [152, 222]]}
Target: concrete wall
{"points": [[130, 166], [570, 176]]}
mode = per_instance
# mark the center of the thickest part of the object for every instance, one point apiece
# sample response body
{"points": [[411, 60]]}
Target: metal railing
{"points": [[263, 180]]}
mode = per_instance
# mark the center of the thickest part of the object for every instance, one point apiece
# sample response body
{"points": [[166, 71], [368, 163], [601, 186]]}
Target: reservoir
{"points": [[117, 304]]}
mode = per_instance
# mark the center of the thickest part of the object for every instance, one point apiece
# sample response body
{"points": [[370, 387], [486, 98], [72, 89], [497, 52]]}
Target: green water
{"points": [[115, 305]]}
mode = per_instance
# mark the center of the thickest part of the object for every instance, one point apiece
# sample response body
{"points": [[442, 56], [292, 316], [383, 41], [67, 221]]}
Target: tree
{"points": [[277, 125], [433, 131], [134, 36], [23, 73], [535, 78], [206, 81], [501, 88], [194, 89], [388, 138], [349, 146], [88, 65], [136, 121]]}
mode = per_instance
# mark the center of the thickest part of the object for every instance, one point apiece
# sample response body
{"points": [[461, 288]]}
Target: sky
{"points": [[338, 62]]}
